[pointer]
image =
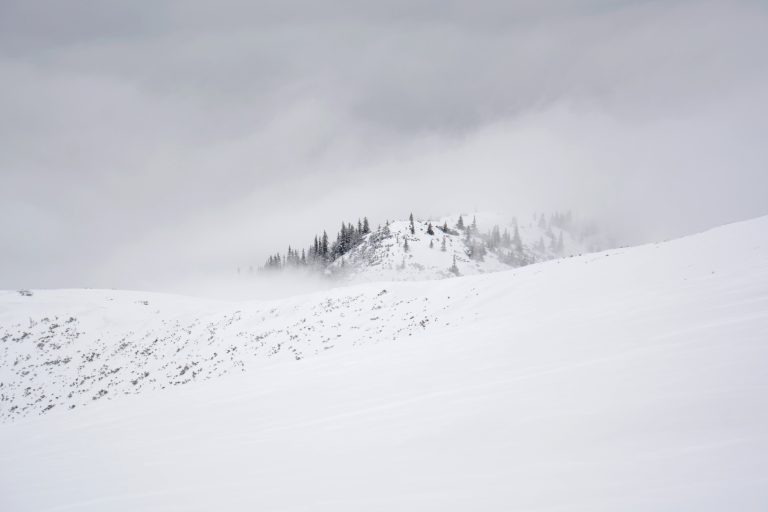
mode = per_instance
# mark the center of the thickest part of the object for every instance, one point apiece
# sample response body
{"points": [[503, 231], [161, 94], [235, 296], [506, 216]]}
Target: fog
{"points": [[161, 145]]}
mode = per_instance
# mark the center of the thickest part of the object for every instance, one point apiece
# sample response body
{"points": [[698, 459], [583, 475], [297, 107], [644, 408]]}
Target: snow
{"points": [[382, 256], [632, 379]]}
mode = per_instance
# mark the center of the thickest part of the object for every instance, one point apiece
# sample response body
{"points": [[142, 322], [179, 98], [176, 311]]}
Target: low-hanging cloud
{"points": [[146, 143]]}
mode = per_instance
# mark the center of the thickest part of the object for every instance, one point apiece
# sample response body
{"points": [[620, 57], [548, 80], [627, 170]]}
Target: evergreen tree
{"points": [[442, 244], [324, 246], [406, 248], [366, 227], [516, 240], [445, 227], [413, 228], [495, 238], [474, 224], [430, 231], [460, 223], [431, 244]]}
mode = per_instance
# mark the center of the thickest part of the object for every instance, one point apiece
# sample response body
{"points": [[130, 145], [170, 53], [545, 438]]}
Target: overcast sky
{"points": [[144, 143]]}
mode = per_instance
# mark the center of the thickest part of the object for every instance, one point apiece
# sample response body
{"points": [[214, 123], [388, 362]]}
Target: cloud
{"points": [[151, 141]]}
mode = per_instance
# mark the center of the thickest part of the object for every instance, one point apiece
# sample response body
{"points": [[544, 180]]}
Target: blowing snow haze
{"points": [[154, 144]]}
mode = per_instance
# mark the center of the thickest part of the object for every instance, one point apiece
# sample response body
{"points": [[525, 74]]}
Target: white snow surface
{"points": [[381, 256], [630, 380]]}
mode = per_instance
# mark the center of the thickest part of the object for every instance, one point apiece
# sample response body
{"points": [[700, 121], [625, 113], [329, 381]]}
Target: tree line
{"points": [[507, 244], [321, 251]]}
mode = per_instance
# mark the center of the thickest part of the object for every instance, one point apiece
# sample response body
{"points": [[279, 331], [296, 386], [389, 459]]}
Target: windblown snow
{"points": [[633, 379]]}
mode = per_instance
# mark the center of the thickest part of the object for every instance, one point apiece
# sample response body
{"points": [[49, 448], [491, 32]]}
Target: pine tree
{"points": [[430, 231], [445, 227], [460, 223], [474, 224], [495, 238], [324, 246], [442, 244], [413, 228], [366, 227], [406, 248], [431, 244], [516, 240], [506, 240]]}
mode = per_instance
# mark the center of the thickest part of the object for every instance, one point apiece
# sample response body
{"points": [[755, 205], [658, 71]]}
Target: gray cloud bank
{"points": [[144, 143]]}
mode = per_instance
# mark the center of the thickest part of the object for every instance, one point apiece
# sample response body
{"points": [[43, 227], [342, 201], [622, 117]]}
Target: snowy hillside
{"points": [[632, 379], [71, 348], [468, 250]]}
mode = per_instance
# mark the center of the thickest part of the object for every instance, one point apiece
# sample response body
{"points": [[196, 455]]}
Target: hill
{"points": [[630, 379], [417, 249]]}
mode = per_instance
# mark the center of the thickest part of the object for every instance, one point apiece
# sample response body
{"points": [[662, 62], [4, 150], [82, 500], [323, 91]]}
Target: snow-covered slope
{"points": [[631, 379], [70, 348], [382, 255]]}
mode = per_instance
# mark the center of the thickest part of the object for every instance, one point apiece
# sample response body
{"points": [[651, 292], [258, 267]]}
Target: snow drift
{"points": [[632, 379]]}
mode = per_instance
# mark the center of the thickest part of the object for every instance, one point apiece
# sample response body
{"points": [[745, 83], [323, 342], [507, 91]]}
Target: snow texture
{"points": [[633, 380]]}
